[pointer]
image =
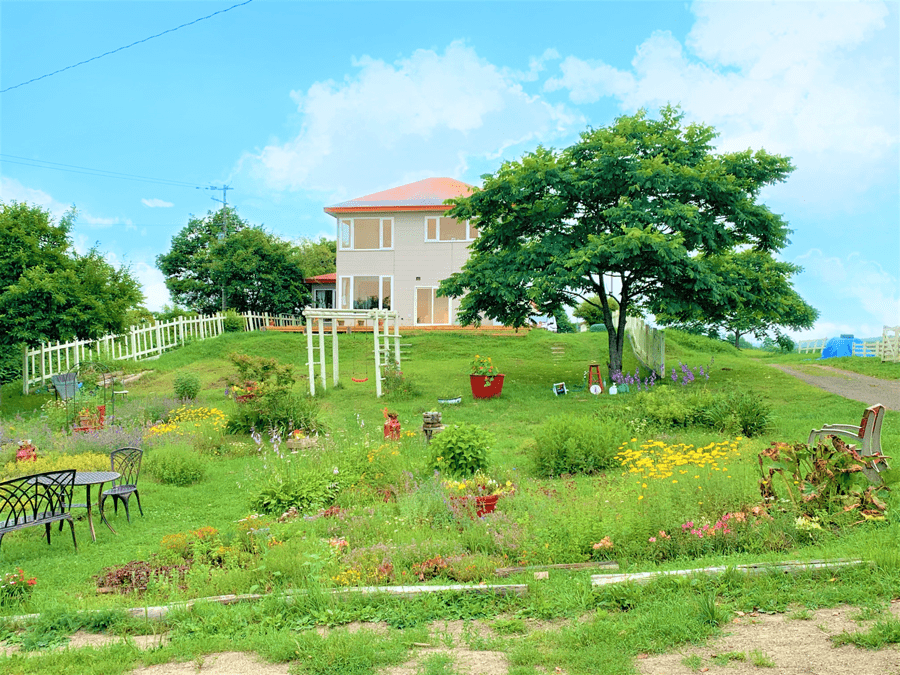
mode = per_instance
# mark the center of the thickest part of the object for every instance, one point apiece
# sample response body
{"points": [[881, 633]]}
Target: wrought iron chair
{"points": [[127, 462]]}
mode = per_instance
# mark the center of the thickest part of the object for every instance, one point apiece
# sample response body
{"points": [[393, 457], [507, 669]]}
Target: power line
{"points": [[171, 30], [88, 171]]}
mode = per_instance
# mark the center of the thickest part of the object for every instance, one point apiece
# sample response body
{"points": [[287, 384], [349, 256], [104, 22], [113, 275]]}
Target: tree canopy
{"points": [[645, 202], [258, 271], [50, 292], [762, 300]]}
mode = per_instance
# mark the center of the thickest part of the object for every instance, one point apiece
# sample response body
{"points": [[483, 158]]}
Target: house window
{"points": [[366, 292], [366, 234], [431, 309], [448, 229]]}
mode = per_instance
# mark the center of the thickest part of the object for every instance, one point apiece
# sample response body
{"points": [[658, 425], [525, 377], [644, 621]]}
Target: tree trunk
{"points": [[737, 340], [616, 333]]}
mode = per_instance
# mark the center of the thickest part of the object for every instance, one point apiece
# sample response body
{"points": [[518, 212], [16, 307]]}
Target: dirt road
{"points": [[868, 390]]}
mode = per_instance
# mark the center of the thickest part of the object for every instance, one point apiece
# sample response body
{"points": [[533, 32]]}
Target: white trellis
{"points": [[381, 341]]}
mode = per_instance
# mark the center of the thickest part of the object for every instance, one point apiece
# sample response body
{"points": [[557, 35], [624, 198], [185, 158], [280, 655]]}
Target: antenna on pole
{"points": [[224, 234]]}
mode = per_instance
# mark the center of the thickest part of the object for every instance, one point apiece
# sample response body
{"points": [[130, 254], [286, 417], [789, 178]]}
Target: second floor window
{"points": [[448, 229], [366, 234]]}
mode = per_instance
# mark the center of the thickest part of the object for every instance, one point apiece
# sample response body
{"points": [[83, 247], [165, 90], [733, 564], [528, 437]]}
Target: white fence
{"points": [[888, 349], [647, 343], [805, 346], [141, 342]]}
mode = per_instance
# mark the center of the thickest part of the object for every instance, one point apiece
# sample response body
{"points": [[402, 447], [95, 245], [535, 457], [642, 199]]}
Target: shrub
{"points": [[86, 461], [305, 490], [671, 407], [460, 450], [278, 412], [187, 386], [575, 444], [598, 328], [233, 322], [395, 385], [738, 412], [175, 466]]}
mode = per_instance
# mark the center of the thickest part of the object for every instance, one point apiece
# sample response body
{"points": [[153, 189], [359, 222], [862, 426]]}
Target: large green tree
{"points": [[50, 292], [256, 271], [763, 300], [644, 201], [188, 264], [260, 272]]}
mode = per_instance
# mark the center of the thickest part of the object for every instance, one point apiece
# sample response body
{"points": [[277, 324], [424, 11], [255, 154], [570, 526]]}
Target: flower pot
{"points": [[480, 390], [483, 504]]}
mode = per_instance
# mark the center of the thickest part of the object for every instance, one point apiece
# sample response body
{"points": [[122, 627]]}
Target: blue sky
{"points": [[297, 105]]}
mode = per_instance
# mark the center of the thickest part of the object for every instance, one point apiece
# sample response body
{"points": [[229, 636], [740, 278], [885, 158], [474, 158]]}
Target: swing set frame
{"points": [[389, 319]]}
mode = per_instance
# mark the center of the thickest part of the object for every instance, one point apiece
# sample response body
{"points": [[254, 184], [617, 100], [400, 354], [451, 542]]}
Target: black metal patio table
{"points": [[89, 478]]}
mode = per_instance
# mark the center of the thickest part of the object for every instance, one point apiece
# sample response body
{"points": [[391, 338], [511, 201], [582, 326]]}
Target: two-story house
{"points": [[394, 248]]}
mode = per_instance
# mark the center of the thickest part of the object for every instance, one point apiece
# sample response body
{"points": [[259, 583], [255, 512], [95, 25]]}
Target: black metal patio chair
{"points": [[127, 462]]}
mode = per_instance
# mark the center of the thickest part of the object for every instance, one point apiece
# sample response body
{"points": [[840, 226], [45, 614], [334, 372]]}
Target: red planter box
{"points": [[480, 391]]}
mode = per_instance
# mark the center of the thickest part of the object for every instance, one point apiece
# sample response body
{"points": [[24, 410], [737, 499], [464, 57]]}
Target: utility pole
{"points": [[224, 234]]}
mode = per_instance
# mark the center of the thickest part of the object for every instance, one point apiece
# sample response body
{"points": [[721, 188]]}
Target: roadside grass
{"points": [[546, 521]]}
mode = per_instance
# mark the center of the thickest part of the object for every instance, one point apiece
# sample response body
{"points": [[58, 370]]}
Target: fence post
{"points": [[133, 355], [159, 344], [24, 368]]}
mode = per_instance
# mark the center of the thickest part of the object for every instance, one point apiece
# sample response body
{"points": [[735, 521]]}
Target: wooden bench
{"points": [[867, 434], [38, 499]]}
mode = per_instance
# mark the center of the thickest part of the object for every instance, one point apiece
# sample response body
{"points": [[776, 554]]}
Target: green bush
{"points": [[306, 490], [233, 322], [395, 385], [273, 410], [187, 386], [598, 328], [460, 450], [575, 444], [672, 406], [738, 412], [175, 466]]}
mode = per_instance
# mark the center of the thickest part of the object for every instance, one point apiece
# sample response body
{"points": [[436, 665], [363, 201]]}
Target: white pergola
{"points": [[381, 341]]}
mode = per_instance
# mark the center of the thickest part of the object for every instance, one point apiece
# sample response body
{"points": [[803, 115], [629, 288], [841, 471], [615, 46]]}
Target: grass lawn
{"points": [[374, 512]]}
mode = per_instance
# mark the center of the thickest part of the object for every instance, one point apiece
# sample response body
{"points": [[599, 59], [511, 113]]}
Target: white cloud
{"points": [[13, 190], [425, 115], [154, 286], [156, 203], [816, 81], [852, 292]]}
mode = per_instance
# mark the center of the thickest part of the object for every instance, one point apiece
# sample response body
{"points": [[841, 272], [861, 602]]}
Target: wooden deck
{"points": [[496, 331]]}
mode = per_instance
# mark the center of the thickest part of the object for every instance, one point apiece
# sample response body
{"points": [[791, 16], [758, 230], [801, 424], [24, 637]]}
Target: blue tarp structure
{"points": [[840, 346]]}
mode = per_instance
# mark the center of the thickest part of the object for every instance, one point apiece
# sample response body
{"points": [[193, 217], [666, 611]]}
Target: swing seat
{"points": [[359, 379]]}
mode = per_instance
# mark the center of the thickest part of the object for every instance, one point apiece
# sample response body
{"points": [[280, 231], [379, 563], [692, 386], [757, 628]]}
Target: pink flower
{"points": [[652, 540]]}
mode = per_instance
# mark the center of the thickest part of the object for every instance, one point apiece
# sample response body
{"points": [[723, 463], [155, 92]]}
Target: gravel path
{"points": [[868, 390]]}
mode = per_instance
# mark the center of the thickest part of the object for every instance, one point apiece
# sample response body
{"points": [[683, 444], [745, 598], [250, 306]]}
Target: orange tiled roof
{"points": [[423, 195], [330, 278]]}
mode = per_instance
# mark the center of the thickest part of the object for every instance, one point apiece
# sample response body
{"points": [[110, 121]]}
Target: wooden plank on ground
{"points": [[605, 564], [756, 569]]}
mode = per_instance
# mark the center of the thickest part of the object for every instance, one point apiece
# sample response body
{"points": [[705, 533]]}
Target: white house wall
{"points": [[412, 262]]}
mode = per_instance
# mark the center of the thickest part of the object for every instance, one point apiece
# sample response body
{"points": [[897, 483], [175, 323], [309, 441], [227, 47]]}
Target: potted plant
{"points": [[485, 378], [480, 491]]}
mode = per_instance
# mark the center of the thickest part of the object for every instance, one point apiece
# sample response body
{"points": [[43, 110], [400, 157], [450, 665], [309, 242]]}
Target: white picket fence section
{"points": [[887, 350], [807, 346], [140, 343], [647, 343], [890, 344]]}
